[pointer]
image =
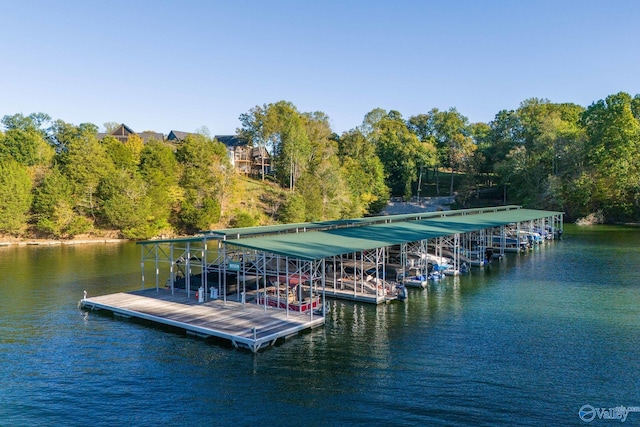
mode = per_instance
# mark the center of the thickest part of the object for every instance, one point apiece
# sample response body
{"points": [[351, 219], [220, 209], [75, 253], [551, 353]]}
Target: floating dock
{"points": [[349, 259], [249, 326]]}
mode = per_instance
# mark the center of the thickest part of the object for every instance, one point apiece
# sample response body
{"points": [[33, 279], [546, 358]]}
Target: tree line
{"points": [[60, 180]]}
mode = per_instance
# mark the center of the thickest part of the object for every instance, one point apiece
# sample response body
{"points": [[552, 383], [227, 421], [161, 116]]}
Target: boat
{"points": [[419, 281], [436, 275], [531, 236], [509, 243], [292, 279], [287, 299]]}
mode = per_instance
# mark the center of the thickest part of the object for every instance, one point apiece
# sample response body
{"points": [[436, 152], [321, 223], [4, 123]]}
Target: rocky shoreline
{"points": [[38, 242]]}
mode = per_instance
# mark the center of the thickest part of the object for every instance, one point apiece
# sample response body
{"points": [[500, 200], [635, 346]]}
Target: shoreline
{"points": [[46, 242]]}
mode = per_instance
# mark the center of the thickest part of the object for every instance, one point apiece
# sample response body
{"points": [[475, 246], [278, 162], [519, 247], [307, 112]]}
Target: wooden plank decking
{"points": [[245, 325]]}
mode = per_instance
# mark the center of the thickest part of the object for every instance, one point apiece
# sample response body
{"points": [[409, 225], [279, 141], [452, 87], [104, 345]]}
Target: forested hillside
{"points": [[59, 180]]}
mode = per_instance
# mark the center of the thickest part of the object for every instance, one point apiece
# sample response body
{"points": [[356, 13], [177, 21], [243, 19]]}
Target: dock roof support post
{"points": [[204, 281], [324, 281], [377, 265], [277, 284], [264, 278], [362, 273], [483, 241], [424, 265], [355, 277], [403, 260], [224, 271], [171, 270], [244, 277], [142, 263], [310, 264], [187, 270], [286, 281], [335, 277], [157, 268], [456, 252], [220, 260]]}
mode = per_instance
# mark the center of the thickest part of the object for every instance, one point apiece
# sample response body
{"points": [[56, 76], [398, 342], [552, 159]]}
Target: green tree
{"points": [[85, 162], [399, 150], [160, 171], [198, 212], [453, 141], [126, 206], [291, 146], [293, 210], [613, 155], [120, 155], [27, 143], [480, 133], [242, 218], [62, 133], [206, 178], [322, 185], [363, 173], [536, 151], [15, 197], [53, 207]]}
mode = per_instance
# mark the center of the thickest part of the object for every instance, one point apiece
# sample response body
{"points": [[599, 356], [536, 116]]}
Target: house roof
{"points": [[232, 140], [178, 135], [148, 135], [122, 130]]}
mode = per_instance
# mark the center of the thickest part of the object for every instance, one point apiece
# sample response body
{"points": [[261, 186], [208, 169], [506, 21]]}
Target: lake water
{"points": [[527, 341]]}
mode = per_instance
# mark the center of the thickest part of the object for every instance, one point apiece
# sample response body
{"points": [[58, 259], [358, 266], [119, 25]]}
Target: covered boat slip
{"points": [[244, 325], [255, 285], [466, 237], [340, 258]]}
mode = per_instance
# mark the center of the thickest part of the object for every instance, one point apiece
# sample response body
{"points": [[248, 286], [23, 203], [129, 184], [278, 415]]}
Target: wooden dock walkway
{"points": [[248, 325]]}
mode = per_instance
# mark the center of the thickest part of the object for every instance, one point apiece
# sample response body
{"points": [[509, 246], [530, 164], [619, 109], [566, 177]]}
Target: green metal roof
{"points": [[319, 225], [179, 240], [315, 245]]}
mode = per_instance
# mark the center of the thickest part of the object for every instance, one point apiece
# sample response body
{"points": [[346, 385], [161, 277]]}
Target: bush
{"points": [[242, 219]]}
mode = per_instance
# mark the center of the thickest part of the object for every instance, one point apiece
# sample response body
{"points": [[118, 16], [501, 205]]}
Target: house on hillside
{"points": [[177, 136], [245, 159], [238, 151], [122, 133], [260, 159]]}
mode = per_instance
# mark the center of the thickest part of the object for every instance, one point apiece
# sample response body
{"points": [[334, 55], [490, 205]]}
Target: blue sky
{"points": [[162, 65]]}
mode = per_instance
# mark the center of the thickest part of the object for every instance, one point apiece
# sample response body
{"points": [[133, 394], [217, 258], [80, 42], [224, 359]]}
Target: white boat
{"points": [[435, 275], [509, 243], [531, 236], [450, 271], [419, 281]]}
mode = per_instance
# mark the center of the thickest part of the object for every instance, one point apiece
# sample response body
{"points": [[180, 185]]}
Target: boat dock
{"points": [[269, 283], [247, 325]]}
